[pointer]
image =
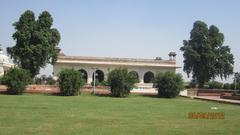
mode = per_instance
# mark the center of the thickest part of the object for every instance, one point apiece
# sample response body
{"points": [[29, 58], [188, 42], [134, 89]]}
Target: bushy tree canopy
{"points": [[205, 56], [35, 42]]}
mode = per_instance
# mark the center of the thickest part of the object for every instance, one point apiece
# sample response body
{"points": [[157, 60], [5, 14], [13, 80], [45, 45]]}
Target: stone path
{"points": [[211, 98], [217, 99]]}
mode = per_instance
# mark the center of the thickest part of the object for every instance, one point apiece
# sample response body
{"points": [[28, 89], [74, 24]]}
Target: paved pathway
{"points": [[217, 99], [211, 98]]}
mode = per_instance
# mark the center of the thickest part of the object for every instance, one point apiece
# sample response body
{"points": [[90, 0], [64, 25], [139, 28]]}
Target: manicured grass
{"points": [[94, 115]]}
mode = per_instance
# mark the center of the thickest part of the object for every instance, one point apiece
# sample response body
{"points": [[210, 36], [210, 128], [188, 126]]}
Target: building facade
{"points": [[5, 63], [144, 69]]}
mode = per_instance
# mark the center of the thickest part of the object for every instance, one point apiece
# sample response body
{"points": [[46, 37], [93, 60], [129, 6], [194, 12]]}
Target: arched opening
{"points": [[135, 75], [84, 74], [99, 76], [148, 77]]}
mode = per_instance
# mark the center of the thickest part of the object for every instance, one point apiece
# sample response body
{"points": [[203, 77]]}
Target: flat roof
{"points": [[63, 59], [75, 58]]}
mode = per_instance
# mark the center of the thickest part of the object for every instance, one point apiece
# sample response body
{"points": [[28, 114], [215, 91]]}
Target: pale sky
{"points": [[127, 28]]}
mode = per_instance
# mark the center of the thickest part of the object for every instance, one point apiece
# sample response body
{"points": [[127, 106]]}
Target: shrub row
{"points": [[215, 85], [219, 85], [120, 80]]}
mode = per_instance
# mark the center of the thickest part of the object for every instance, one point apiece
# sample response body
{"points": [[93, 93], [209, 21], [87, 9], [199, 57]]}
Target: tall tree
{"points": [[205, 56], [35, 42]]}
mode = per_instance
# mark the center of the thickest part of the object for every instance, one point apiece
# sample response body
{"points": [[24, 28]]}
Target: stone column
{"points": [[141, 76], [90, 74], [1, 70], [105, 71]]}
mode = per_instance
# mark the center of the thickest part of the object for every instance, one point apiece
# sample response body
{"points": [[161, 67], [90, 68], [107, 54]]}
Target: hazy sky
{"points": [[127, 28]]}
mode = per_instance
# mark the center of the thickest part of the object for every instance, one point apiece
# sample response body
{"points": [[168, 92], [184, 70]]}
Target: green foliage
{"points": [[16, 80], [205, 57], [227, 86], [236, 78], [103, 83], [192, 84], [70, 82], [50, 80], [235, 86], [35, 42], [38, 80], [236, 81], [45, 80], [169, 84], [232, 86], [0, 80], [215, 85], [135, 76], [96, 83], [121, 82]]}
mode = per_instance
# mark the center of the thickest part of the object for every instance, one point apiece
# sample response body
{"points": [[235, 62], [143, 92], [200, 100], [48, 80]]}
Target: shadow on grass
{"points": [[102, 95], [4, 93], [156, 96], [83, 93], [53, 94], [108, 95], [151, 95], [10, 93]]}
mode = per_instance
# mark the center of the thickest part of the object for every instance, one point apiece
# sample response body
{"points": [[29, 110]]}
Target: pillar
{"points": [[141, 76], [90, 74]]}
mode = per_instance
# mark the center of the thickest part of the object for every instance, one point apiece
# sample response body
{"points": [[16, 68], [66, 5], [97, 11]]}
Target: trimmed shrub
{"points": [[70, 82], [215, 85], [16, 80], [121, 82], [168, 84]]}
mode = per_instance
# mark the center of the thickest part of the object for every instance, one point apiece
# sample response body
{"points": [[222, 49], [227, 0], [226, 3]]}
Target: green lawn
{"points": [[86, 114]]}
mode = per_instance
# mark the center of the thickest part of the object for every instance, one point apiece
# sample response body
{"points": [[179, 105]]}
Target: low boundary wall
{"points": [[209, 92], [53, 88]]}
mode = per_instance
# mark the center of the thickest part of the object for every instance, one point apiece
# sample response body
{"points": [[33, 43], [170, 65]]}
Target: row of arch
{"points": [[148, 76]]}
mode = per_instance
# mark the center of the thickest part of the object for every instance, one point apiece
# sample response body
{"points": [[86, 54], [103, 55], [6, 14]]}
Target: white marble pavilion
{"points": [[145, 69], [5, 63]]}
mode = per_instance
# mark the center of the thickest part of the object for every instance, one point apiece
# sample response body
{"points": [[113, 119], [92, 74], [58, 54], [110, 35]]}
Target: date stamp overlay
{"points": [[206, 115]]}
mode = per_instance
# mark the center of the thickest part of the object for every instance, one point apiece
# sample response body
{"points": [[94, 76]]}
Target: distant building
{"points": [[145, 69], [5, 64]]}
